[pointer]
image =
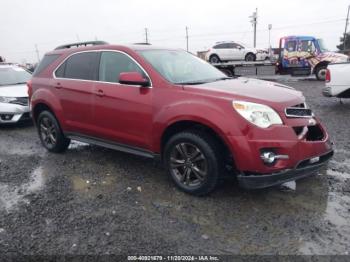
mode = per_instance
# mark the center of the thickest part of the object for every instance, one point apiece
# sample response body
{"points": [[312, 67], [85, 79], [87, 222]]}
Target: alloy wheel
{"points": [[48, 132], [188, 165]]}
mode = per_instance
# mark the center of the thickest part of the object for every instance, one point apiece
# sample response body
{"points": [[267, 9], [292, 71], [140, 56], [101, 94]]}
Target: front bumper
{"points": [[327, 91], [304, 169], [261, 56], [12, 113]]}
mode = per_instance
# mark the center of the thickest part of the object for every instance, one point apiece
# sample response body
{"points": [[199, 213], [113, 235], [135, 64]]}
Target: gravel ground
{"points": [[91, 200]]}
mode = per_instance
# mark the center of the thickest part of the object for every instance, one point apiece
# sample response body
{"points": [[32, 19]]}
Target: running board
{"points": [[111, 145]]}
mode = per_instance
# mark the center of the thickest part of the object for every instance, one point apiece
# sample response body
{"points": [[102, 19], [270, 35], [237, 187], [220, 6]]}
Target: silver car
{"points": [[13, 94]]}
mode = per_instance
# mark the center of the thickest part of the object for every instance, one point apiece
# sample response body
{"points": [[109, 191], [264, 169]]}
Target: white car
{"points": [[229, 51], [13, 94], [337, 80]]}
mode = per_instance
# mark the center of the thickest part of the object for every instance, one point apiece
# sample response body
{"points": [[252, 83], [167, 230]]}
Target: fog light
{"points": [[6, 117], [268, 157]]}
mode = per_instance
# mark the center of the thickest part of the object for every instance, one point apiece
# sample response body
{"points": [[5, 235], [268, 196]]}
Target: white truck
{"points": [[337, 80]]}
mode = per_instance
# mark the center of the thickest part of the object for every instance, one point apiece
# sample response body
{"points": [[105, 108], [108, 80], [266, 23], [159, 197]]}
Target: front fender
{"points": [[213, 116]]}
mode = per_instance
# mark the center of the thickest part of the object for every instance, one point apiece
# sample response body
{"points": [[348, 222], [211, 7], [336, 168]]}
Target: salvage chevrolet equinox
{"points": [[170, 105]]}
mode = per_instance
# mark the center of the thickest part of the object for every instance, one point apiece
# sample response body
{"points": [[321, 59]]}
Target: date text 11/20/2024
{"points": [[173, 258]]}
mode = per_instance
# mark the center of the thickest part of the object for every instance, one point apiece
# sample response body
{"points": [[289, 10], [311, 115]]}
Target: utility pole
{"points": [[146, 34], [346, 28], [37, 52], [270, 27], [187, 38], [254, 21]]}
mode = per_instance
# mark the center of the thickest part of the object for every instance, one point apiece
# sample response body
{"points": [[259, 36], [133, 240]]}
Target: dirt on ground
{"points": [[91, 200]]}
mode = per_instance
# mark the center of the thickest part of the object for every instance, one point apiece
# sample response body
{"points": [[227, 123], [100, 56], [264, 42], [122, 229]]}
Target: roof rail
{"points": [[78, 44], [142, 43], [7, 63]]}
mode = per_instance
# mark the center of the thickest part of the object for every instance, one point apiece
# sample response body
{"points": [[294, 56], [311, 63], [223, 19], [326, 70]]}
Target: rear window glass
{"points": [[44, 63]]}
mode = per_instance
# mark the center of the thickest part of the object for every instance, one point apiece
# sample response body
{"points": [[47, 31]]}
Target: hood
{"points": [[334, 57], [14, 90], [252, 90]]}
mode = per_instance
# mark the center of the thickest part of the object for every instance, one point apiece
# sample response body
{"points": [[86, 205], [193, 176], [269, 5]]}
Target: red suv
{"points": [[168, 104]]}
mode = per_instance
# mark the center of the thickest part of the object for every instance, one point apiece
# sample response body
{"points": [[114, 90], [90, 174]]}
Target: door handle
{"points": [[99, 93], [58, 85]]}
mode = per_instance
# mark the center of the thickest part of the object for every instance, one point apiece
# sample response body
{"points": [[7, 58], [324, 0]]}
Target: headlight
{"points": [[5, 99], [260, 115]]}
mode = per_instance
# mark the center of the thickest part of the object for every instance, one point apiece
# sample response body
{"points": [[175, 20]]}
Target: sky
{"points": [[45, 24]]}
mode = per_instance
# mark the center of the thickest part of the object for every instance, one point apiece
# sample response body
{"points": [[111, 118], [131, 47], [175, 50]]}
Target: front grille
{"points": [[321, 160], [298, 130], [309, 133], [314, 133], [23, 101], [299, 110]]}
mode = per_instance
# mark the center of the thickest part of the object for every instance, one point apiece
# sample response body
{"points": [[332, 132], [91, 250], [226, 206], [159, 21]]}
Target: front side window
{"points": [[307, 46], [114, 63], [79, 66], [180, 67], [234, 46], [13, 76]]}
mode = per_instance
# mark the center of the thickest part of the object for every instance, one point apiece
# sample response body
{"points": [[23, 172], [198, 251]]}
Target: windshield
{"points": [[180, 67], [13, 76], [322, 45]]}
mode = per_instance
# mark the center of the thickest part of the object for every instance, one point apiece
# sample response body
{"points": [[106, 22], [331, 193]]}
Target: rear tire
{"points": [[50, 133], [320, 73], [250, 57], [214, 59], [193, 161]]}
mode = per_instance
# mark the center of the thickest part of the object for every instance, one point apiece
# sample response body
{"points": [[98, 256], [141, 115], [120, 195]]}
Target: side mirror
{"points": [[133, 78]]}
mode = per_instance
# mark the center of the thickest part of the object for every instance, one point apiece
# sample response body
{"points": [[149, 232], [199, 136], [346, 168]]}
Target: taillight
{"points": [[328, 75], [29, 85]]}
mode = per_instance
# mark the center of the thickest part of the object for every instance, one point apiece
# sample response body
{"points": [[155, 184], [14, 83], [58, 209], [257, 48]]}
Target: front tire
{"points": [[50, 133], [193, 161]]}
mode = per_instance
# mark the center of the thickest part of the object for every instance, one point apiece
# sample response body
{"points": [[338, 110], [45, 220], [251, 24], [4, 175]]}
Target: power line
{"points": [[346, 28]]}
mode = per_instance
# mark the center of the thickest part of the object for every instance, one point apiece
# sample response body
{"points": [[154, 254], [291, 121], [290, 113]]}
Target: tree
{"points": [[347, 42]]}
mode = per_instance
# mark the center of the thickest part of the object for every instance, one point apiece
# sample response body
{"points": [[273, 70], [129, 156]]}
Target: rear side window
{"points": [[114, 63], [79, 66], [44, 63], [221, 46]]}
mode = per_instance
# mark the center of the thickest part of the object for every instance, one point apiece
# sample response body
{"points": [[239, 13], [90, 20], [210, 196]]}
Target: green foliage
{"points": [[347, 43]]}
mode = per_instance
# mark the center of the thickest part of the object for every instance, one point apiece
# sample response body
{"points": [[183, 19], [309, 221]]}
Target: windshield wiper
{"points": [[223, 78], [12, 84], [191, 83]]}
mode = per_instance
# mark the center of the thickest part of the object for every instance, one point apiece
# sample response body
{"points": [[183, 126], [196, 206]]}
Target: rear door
{"points": [[223, 51], [236, 51], [122, 113], [73, 85]]}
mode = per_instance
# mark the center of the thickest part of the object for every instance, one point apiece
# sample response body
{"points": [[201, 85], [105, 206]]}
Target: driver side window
{"points": [[114, 63]]}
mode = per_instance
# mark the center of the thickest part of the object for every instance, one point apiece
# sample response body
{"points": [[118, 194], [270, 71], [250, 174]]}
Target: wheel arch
{"points": [[322, 63], [40, 107], [183, 125], [43, 99]]}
